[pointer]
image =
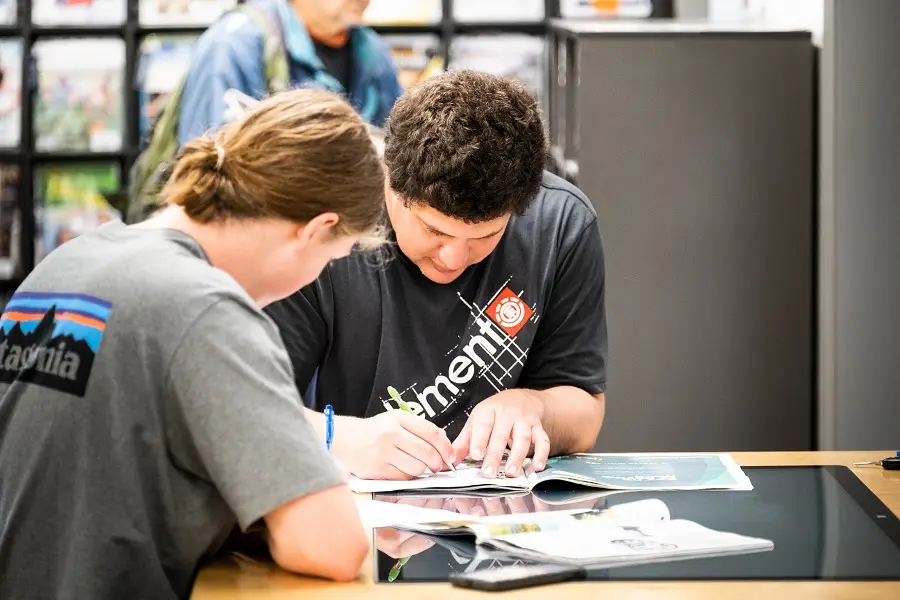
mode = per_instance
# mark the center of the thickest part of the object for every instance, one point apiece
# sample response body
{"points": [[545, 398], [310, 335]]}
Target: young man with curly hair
{"points": [[489, 321]]}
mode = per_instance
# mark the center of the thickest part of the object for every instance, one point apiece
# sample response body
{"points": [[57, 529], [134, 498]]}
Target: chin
{"points": [[440, 276]]}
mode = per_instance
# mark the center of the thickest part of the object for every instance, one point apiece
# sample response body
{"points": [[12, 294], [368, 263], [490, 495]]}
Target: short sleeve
{"points": [[303, 332], [570, 346], [235, 418]]}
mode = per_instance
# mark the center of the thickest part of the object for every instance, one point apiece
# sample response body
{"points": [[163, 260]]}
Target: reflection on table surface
{"points": [[462, 555], [819, 529]]}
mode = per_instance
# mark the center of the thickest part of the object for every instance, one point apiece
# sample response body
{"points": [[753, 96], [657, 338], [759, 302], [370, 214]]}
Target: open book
{"points": [[657, 472], [629, 534]]}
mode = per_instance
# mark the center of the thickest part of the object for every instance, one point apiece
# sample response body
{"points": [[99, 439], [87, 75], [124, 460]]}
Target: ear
{"points": [[319, 228]]}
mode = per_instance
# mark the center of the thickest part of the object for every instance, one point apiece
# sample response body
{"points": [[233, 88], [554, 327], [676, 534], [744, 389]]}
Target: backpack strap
{"points": [[275, 60], [152, 168]]}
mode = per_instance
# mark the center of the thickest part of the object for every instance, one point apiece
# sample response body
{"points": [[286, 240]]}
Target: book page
{"points": [[610, 542], [465, 477], [374, 513], [648, 471]]}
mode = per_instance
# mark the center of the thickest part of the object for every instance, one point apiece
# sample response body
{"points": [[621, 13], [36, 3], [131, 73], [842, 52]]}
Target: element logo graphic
{"points": [[509, 312], [488, 351]]}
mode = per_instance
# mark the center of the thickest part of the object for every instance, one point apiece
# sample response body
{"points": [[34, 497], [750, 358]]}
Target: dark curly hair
{"points": [[469, 144]]}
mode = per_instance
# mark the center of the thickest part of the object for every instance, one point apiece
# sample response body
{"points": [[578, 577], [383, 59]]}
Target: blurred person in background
{"points": [[325, 44]]}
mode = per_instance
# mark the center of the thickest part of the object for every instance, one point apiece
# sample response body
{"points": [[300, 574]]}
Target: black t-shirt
{"points": [[338, 62], [530, 315]]}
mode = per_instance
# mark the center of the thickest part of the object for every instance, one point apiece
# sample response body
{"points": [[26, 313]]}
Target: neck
{"points": [[320, 29], [233, 247]]}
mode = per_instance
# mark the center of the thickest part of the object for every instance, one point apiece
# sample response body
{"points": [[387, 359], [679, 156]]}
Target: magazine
{"points": [[79, 101], [8, 10], [70, 200], [164, 61], [628, 534], [403, 12], [182, 12], [9, 220], [78, 12], [10, 92], [417, 57], [517, 11], [519, 56], [629, 9], [653, 472]]}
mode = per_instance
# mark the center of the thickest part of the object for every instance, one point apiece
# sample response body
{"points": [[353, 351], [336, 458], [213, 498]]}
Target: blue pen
{"points": [[329, 426]]}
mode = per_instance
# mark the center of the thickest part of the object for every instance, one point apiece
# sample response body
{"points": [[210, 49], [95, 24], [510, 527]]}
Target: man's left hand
{"points": [[511, 418]]}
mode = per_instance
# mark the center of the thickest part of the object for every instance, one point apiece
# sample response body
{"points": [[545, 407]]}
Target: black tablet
{"points": [[825, 523]]}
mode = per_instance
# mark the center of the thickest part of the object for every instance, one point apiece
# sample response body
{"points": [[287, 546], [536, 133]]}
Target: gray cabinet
{"points": [[697, 148]]}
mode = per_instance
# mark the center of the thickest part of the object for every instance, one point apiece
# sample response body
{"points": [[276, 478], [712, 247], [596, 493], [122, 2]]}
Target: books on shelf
{"points": [[403, 12], [628, 534], [630, 9], [78, 105], [69, 200], [10, 92], [78, 12], [181, 12], [500, 11], [522, 57], [10, 222], [8, 12], [164, 60], [416, 57], [653, 472]]}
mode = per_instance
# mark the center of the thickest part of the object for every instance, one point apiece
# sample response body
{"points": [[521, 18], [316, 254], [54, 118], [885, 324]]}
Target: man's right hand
{"points": [[392, 445]]}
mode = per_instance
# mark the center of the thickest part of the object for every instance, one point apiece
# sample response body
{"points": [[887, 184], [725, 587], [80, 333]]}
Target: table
{"points": [[232, 578]]}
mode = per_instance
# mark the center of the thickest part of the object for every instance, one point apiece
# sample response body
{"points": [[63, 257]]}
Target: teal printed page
{"points": [[646, 472]]}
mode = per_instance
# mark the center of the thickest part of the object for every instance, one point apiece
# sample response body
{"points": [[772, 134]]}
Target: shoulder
{"points": [[560, 212], [373, 51], [238, 31], [168, 273], [371, 42]]}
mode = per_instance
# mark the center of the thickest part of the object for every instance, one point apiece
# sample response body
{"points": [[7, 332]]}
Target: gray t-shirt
{"points": [[146, 407]]}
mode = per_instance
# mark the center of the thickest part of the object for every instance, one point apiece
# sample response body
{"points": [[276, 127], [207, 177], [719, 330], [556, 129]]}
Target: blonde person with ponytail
{"points": [[147, 405]]}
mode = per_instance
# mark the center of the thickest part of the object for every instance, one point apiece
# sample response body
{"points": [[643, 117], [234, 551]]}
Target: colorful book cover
{"points": [[163, 63], [416, 57], [511, 11], [10, 92], [181, 12], [79, 101], [9, 220], [403, 12], [630, 9], [78, 12], [70, 200]]}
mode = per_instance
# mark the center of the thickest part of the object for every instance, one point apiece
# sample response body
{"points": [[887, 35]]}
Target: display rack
{"points": [[133, 32]]}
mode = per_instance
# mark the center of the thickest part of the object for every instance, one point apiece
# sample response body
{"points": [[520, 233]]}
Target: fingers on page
{"points": [[434, 436], [541, 442]]}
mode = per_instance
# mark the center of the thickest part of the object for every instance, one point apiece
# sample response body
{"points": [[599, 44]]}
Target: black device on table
{"points": [[516, 576], [825, 524]]}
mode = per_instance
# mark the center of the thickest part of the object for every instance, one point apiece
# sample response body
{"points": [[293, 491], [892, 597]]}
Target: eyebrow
{"points": [[439, 232]]}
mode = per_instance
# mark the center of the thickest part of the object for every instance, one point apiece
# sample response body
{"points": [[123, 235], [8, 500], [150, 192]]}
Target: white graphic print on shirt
{"points": [[487, 351]]}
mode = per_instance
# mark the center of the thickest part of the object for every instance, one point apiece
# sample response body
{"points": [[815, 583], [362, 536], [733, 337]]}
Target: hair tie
{"points": [[220, 151]]}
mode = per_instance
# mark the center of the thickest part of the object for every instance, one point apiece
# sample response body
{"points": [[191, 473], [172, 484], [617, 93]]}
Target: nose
{"points": [[454, 255]]}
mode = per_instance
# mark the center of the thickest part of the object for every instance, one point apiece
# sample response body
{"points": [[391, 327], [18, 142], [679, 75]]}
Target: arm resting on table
{"points": [[319, 534]]}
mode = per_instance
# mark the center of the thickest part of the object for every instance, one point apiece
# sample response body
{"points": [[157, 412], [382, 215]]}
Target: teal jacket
{"points": [[230, 55]]}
